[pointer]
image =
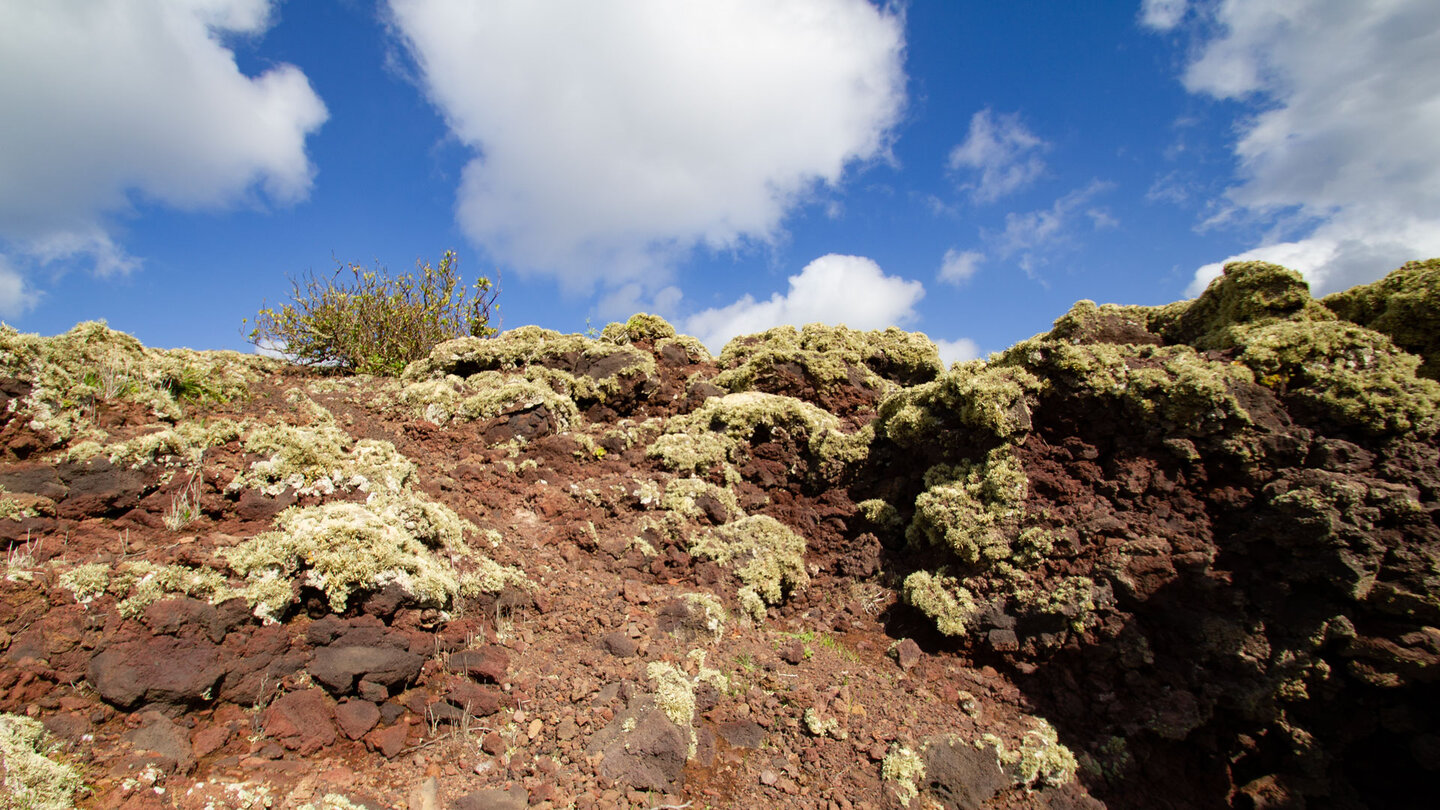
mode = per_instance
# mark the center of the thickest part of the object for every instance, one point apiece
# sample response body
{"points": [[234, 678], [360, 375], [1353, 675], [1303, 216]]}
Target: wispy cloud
{"points": [[1000, 154], [1030, 237]]}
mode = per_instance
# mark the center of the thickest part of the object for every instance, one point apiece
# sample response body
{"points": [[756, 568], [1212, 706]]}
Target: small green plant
{"points": [[377, 324]]}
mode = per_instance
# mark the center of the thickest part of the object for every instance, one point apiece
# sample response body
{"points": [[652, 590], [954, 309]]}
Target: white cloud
{"points": [[1034, 234], [16, 295], [109, 102], [958, 351], [833, 289], [611, 138], [1162, 15], [1341, 154], [1004, 153], [958, 267]]}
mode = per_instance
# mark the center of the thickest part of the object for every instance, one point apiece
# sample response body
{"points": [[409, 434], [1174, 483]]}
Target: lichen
{"points": [[92, 363], [942, 598], [86, 582], [343, 547], [1346, 373], [765, 554], [1404, 306], [675, 695], [712, 613], [682, 494], [821, 726], [589, 369], [906, 769], [29, 777], [148, 582], [973, 396], [973, 509], [320, 459], [183, 444], [1041, 761], [713, 434], [640, 326], [830, 357], [1246, 295]]}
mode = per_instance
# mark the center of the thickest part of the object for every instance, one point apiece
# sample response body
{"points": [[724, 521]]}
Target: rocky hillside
{"points": [[1181, 556]]}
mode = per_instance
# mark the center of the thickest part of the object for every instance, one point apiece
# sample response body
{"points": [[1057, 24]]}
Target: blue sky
{"points": [[965, 169]]}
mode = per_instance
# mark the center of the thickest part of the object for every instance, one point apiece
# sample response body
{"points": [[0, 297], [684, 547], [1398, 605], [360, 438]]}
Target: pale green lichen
{"points": [[342, 547], [880, 513], [183, 444], [1072, 598], [589, 369], [972, 396], [1041, 761], [1346, 373], [640, 326], [29, 777], [766, 555], [712, 613], [973, 509], [675, 695], [714, 433], [942, 598], [1247, 294], [905, 768], [490, 577], [320, 459], [86, 582], [148, 583], [681, 496], [820, 726], [829, 357], [92, 363], [1404, 306]]}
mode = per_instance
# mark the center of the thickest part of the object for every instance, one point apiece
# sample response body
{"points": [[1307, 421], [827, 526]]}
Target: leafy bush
{"points": [[377, 324]]}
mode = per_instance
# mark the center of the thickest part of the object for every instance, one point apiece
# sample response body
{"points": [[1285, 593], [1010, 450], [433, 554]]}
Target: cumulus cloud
{"points": [[958, 351], [612, 138], [833, 289], [1002, 151], [107, 103], [16, 294], [957, 267], [1340, 157]]}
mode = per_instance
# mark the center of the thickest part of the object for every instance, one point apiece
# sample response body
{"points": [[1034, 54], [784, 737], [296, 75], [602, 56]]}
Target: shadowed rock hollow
{"points": [[1179, 556]]}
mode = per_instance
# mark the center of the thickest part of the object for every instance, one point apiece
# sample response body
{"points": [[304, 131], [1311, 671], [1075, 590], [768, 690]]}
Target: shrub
{"points": [[378, 323]]}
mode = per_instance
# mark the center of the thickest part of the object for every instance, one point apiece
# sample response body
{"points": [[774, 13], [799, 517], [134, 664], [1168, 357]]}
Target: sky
{"points": [[963, 168]]}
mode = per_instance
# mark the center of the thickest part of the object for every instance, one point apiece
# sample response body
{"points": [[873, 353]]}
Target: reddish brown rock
{"points": [[301, 721], [483, 664], [163, 670], [356, 717]]}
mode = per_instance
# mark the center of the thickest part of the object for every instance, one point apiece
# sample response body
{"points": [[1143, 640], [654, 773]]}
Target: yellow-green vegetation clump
{"points": [[972, 508], [1247, 294], [766, 555], [973, 396], [29, 778], [1404, 306], [583, 368], [681, 496], [941, 597], [488, 394], [181, 445], [92, 363], [343, 547], [711, 437], [640, 326], [320, 459], [712, 613], [903, 766], [1041, 761], [830, 356], [675, 695], [138, 583]]}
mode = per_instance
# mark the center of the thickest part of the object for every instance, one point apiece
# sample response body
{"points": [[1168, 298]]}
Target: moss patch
{"points": [[829, 357]]}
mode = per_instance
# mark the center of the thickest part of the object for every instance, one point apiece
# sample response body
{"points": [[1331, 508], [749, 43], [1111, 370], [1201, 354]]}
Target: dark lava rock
{"points": [[165, 671], [356, 717], [97, 487], [339, 668], [962, 776], [650, 755], [494, 799], [620, 645]]}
